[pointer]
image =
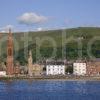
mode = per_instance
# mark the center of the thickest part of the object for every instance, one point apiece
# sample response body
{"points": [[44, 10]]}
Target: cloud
{"points": [[39, 29], [31, 18], [6, 28]]}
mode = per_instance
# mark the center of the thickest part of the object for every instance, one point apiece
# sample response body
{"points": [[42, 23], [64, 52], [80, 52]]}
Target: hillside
{"points": [[85, 34]]}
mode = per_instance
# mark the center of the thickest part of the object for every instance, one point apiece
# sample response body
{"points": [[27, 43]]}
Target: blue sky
{"points": [[49, 13]]}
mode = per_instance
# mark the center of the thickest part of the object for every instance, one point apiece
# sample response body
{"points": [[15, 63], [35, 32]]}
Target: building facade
{"points": [[2, 73], [17, 69], [93, 68], [37, 70], [79, 68], [10, 65], [33, 69], [55, 68]]}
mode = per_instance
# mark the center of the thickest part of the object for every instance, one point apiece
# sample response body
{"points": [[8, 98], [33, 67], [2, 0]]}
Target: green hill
{"points": [[27, 41]]}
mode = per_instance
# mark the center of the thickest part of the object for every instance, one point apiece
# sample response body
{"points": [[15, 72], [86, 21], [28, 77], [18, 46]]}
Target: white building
{"points": [[2, 73], [79, 69], [55, 69]]}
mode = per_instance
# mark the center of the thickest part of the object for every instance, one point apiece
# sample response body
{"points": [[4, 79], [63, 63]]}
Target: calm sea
{"points": [[50, 90]]}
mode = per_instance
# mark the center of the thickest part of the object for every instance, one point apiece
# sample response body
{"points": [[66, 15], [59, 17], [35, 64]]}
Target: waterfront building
{"points": [[2, 66], [34, 69], [23, 70], [2, 69], [10, 65], [55, 68], [79, 68], [2, 73], [17, 69], [37, 70], [93, 68]]}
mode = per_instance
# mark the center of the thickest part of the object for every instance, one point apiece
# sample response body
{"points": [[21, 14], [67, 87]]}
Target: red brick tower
{"points": [[10, 68]]}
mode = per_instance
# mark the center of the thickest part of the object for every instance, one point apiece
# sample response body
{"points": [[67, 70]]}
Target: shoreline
{"points": [[51, 78]]}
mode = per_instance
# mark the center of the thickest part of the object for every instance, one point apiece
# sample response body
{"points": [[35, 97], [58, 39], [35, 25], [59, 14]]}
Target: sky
{"points": [[23, 15]]}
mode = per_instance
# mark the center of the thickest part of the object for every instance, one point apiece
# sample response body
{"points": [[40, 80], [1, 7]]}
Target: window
{"points": [[9, 52]]}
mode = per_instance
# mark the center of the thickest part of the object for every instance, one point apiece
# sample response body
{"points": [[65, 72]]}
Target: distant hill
{"points": [[85, 34]]}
